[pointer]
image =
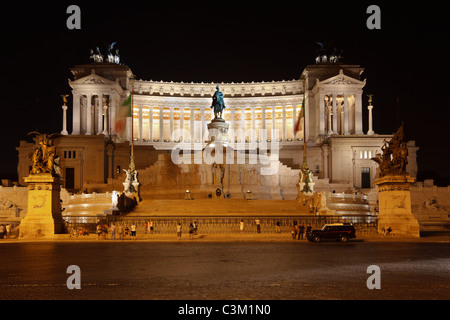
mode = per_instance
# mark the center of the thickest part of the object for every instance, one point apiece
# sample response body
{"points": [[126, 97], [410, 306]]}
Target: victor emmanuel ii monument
{"points": [[272, 156]]}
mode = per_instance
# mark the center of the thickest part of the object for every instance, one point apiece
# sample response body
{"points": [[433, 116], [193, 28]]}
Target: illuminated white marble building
{"points": [[339, 151]]}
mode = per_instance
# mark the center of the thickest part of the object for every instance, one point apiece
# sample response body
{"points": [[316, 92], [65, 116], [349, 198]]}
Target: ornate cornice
{"points": [[253, 89]]}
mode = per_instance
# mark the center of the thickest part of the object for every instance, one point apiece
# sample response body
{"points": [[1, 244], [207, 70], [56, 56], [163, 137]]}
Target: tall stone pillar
{"points": [[182, 123], [150, 124], [202, 128], [274, 123], [140, 123], [112, 113], [284, 123], [370, 132], [294, 121], [76, 114], [161, 124], [105, 119], [346, 132], [358, 114], [64, 130], [254, 135], [322, 114], [89, 114], [329, 112], [100, 114], [335, 114], [191, 124], [171, 124]]}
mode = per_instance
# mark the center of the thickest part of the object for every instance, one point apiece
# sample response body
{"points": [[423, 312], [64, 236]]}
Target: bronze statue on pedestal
{"points": [[44, 154], [394, 158]]}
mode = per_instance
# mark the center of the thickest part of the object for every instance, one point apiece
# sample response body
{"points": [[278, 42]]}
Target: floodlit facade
{"points": [[169, 115]]}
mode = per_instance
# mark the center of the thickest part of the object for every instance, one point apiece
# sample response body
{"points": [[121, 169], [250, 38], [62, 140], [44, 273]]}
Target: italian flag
{"points": [[123, 114], [301, 115]]}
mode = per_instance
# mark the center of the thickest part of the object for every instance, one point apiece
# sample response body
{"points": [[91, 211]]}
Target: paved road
{"points": [[223, 271]]}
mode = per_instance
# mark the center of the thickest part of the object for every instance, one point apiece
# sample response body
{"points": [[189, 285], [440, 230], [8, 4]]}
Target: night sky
{"points": [[406, 62]]}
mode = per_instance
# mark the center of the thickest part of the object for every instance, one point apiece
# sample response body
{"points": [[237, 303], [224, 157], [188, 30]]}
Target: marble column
{"points": [[233, 119], [335, 114], [171, 124], [254, 135], [112, 113], [140, 124], [64, 126], [358, 114], [244, 127], [294, 121], [370, 132], [322, 114], [161, 124], [182, 124], [105, 120], [100, 114], [76, 114], [274, 123], [150, 124], [89, 114], [346, 132], [263, 117], [202, 128], [329, 111], [284, 123], [191, 124]]}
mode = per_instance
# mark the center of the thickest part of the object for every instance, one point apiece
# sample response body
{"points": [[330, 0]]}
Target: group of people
{"points": [[122, 231], [193, 230], [5, 231], [78, 231], [297, 230], [387, 232]]}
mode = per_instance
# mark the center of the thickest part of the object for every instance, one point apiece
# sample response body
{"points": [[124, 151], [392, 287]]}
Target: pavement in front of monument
{"points": [[232, 237], [208, 270]]}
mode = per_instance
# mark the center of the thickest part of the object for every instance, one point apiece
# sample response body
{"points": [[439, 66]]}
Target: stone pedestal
{"points": [[44, 208], [394, 202], [218, 131]]}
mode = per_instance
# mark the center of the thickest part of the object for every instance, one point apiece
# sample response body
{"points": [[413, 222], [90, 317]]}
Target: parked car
{"points": [[336, 231]]}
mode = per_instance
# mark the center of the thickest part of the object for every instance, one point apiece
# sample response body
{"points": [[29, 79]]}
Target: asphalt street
{"points": [[224, 270]]}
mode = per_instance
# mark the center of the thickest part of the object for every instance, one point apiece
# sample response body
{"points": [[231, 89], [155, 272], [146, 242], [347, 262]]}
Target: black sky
{"points": [[406, 62]]}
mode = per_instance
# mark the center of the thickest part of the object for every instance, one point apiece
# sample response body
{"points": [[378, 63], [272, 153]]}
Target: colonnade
{"points": [[156, 124], [94, 113], [340, 113]]}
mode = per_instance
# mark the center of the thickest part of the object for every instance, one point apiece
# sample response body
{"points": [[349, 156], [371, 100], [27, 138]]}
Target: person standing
{"points": [[120, 231], [308, 228], [133, 231], [301, 230], [258, 225], [195, 228], [151, 225], [2, 231], [293, 232], [191, 230], [241, 226], [278, 226], [99, 231], [8, 230], [179, 231], [113, 231]]}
